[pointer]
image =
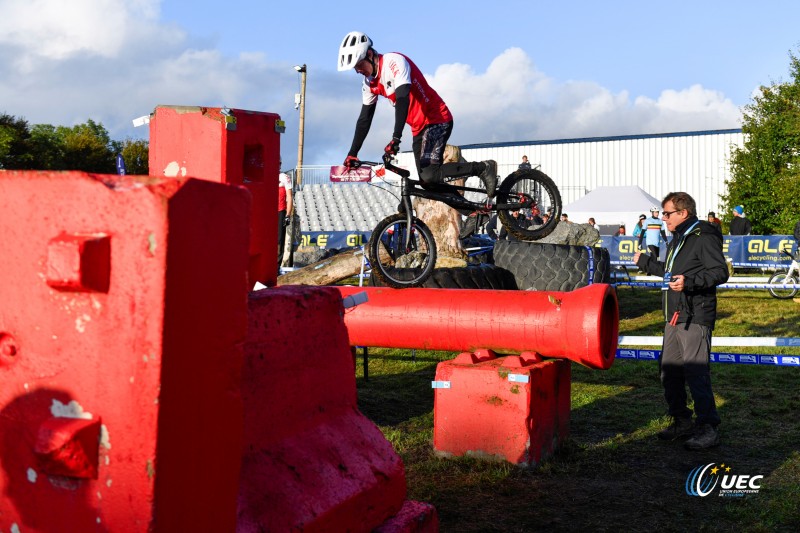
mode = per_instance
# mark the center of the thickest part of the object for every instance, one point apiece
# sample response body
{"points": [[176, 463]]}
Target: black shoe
{"points": [[705, 436], [679, 428], [489, 177]]}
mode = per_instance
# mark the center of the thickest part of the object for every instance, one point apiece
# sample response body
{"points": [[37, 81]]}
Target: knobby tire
{"points": [[386, 245], [547, 198]]}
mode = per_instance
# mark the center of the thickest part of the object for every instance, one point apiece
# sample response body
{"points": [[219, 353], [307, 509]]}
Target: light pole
{"points": [[301, 128]]}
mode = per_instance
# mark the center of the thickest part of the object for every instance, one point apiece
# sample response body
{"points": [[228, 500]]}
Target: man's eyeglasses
{"points": [[667, 214]]}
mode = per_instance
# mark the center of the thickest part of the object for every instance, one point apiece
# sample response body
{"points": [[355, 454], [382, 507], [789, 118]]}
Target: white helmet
{"points": [[353, 49]]}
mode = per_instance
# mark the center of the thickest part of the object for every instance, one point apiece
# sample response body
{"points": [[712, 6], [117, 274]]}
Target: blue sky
{"points": [[509, 70]]}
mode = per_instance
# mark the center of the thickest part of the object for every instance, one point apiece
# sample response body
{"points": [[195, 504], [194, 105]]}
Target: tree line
{"points": [[86, 147]]}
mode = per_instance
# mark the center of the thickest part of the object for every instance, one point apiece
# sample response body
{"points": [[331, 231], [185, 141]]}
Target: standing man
{"points": [[396, 77], [740, 225], [524, 165], [654, 232], [692, 271], [285, 211]]}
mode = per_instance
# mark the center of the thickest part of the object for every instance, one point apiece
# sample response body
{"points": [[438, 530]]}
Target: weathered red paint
{"points": [[311, 460], [581, 325], [511, 408], [154, 358], [238, 148]]}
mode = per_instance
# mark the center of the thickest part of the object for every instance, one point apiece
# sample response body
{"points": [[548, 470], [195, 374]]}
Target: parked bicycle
{"points": [[402, 250], [784, 285]]}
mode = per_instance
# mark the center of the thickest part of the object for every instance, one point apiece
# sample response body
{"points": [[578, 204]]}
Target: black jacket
{"points": [[703, 266], [741, 226]]}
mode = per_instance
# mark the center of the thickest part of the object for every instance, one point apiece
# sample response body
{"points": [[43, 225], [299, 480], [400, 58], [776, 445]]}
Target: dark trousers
{"points": [[685, 361], [654, 250], [281, 235]]}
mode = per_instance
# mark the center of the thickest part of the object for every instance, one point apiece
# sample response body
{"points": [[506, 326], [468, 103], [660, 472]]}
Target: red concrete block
{"points": [[232, 146], [154, 359], [311, 460], [414, 517], [513, 408]]}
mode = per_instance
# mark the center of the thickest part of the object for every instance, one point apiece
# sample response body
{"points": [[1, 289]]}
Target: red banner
{"points": [[342, 173]]}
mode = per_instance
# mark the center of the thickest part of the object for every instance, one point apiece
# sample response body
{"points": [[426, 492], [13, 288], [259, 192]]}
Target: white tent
{"points": [[612, 206]]}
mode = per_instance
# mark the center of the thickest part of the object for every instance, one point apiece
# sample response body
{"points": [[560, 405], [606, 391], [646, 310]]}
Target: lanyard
{"points": [[674, 251]]}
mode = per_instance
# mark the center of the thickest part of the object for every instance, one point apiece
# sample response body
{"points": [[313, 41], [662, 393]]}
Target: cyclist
{"points": [[397, 78]]}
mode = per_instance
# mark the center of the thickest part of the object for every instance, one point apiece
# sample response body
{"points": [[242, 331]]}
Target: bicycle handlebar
{"points": [[387, 162]]}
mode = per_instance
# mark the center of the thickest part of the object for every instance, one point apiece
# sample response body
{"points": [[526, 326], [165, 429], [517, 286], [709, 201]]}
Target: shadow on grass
{"points": [[612, 473]]}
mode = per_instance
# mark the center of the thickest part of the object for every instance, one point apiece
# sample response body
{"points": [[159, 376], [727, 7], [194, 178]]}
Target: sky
{"points": [[510, 71]]}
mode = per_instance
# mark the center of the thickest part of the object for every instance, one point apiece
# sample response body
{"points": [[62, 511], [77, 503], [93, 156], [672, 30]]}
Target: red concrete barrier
{"points": [[231, 146], [121, 319], [514, 408], [311, 460], [581, 325]]}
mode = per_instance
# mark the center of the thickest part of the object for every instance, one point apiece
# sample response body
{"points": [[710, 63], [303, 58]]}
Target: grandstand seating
{"points": [[350, 206], [344, 206]]}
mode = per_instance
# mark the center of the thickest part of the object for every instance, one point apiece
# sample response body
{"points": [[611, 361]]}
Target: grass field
{"points": [[613, 474]]}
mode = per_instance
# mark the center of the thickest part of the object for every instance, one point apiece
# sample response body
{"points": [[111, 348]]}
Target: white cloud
{"points": [[63, 62]]}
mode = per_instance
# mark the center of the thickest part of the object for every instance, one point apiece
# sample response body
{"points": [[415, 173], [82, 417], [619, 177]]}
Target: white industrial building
{"points": [[696, 162]]}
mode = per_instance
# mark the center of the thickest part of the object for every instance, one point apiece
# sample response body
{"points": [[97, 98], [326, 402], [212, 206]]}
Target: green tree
{"points": [[135, 152], [14, 143], [765, 173], [87, 147]]}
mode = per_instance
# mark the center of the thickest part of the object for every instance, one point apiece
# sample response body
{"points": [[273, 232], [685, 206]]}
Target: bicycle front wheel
{"points": [[400, 256], [777, 289], [529, 191]]}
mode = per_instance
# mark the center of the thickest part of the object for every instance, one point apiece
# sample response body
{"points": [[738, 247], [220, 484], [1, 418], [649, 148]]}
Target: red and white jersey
{"points": [[425, 105]]}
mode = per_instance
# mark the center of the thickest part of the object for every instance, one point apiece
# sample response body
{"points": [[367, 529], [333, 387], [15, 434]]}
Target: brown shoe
{"points": [[679, 428], [706, 436]]}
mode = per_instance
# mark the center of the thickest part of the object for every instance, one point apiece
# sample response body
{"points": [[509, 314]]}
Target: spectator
{"points": [[565, 218], [285, 211], [517, 219], [694, 268], [593, 224], [620, 231], [545, 218], [534, 219], [654, 232], [524, 165], [740, 225], [639, 230], [712, 218]]}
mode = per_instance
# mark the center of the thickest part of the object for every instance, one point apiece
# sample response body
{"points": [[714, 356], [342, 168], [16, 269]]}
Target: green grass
{"points": [[613, 474]]}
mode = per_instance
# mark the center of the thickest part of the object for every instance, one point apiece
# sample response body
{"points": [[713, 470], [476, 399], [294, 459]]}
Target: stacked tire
{"points": [[552, 267], [470, 277]]}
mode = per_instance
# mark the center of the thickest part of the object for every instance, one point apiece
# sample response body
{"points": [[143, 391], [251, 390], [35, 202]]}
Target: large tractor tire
{"points": [[470, 277], [552, 267]]}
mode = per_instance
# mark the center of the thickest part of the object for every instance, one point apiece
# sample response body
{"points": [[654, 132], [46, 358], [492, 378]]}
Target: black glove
{"points": [[287, 221], [393, 147], [352, 161]]}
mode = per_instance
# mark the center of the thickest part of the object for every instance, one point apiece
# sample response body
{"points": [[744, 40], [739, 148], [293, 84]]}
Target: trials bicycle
{"points": [[402, 249], [783, 285]]}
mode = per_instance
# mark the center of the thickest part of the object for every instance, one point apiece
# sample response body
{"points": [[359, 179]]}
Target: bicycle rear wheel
{"points": [[777, 291], [399, 265], [530, 190]]}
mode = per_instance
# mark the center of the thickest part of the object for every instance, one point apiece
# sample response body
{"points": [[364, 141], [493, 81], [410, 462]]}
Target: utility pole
{"points": [[301, 129]]}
